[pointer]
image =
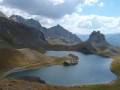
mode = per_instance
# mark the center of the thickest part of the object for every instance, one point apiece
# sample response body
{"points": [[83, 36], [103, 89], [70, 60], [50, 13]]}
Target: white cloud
{"points": [[90, 2], [86, 24], [47, 22], [48, 8], [101, 4], [1, 1], [10, 11], [58, 2], [79, 8]]}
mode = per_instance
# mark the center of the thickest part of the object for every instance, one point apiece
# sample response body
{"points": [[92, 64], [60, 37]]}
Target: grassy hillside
{"points": [[21, 59]]}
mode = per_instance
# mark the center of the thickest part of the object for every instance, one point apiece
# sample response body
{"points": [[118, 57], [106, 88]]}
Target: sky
{"points": [[77, 16]]}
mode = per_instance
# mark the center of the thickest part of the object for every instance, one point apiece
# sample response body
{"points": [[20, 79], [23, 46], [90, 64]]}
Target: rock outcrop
{"points": [[97, 39], [72, 60], [54, 35], [85, 47]]}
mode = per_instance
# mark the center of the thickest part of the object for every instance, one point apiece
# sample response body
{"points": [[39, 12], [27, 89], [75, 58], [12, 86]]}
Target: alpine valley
{"points": [[29, 52]]}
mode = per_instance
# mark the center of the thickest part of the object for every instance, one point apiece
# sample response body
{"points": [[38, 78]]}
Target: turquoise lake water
{"points": [[91, 69]]}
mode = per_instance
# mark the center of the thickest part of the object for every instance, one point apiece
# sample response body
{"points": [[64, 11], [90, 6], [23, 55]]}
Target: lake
{"points": [[91, 69]]}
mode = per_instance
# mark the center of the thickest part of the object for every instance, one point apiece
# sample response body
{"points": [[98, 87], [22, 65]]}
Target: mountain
{"points": [[54, 35], [16, 34], [97, 39], [2, 15], [62, 34], [28, 22], [113, 39]]}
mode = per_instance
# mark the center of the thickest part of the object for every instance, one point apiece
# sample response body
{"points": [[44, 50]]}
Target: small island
{"points": [[72, 60]]}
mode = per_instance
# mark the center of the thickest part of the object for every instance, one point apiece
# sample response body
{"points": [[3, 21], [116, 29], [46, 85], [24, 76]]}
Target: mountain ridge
{"points": [[49, 33]]}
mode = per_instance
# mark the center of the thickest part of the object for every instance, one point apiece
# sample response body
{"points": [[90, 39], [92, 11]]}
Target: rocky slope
{"points": [[62, 34], [12, 33], [54, 35], [28, 22], [97, 39]]}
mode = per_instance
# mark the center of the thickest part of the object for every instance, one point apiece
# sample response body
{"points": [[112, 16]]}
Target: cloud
{"points": [[47, 8], [76, 23], [47, 22], [101, 4], [58, 2], [1, 1], [90, 2], [86, 24], [64, 12]]}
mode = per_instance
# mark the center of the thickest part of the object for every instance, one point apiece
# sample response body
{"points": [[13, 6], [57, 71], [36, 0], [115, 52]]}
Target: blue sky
{"points": [[110, 8], [77, 16]]}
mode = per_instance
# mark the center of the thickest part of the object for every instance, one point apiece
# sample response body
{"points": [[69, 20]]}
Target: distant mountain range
{"points": [[54, 35], [113, 39], [29, 33], [15, 34]]}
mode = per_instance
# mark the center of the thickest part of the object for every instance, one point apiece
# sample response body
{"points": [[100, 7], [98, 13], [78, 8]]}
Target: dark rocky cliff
{"points": [[14, 33]]}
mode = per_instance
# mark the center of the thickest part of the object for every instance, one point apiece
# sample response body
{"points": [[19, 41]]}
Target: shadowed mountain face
{"points": [[54, 35], [97, 39], [12, 33]]}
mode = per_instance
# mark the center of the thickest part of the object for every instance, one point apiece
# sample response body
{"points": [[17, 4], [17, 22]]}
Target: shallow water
{"points": [[91, 69]]}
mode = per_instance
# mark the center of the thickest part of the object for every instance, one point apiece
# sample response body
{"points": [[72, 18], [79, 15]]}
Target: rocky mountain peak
{"points": [[57, 27], [97, 39], [97, 36], [63, 34], [28, 22], [15, 17]]}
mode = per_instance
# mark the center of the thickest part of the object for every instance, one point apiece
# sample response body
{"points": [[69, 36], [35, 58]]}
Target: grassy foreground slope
{"points": [[21, 59]]}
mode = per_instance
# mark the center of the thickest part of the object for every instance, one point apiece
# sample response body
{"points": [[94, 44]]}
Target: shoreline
{"points": [[36, 66]]}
